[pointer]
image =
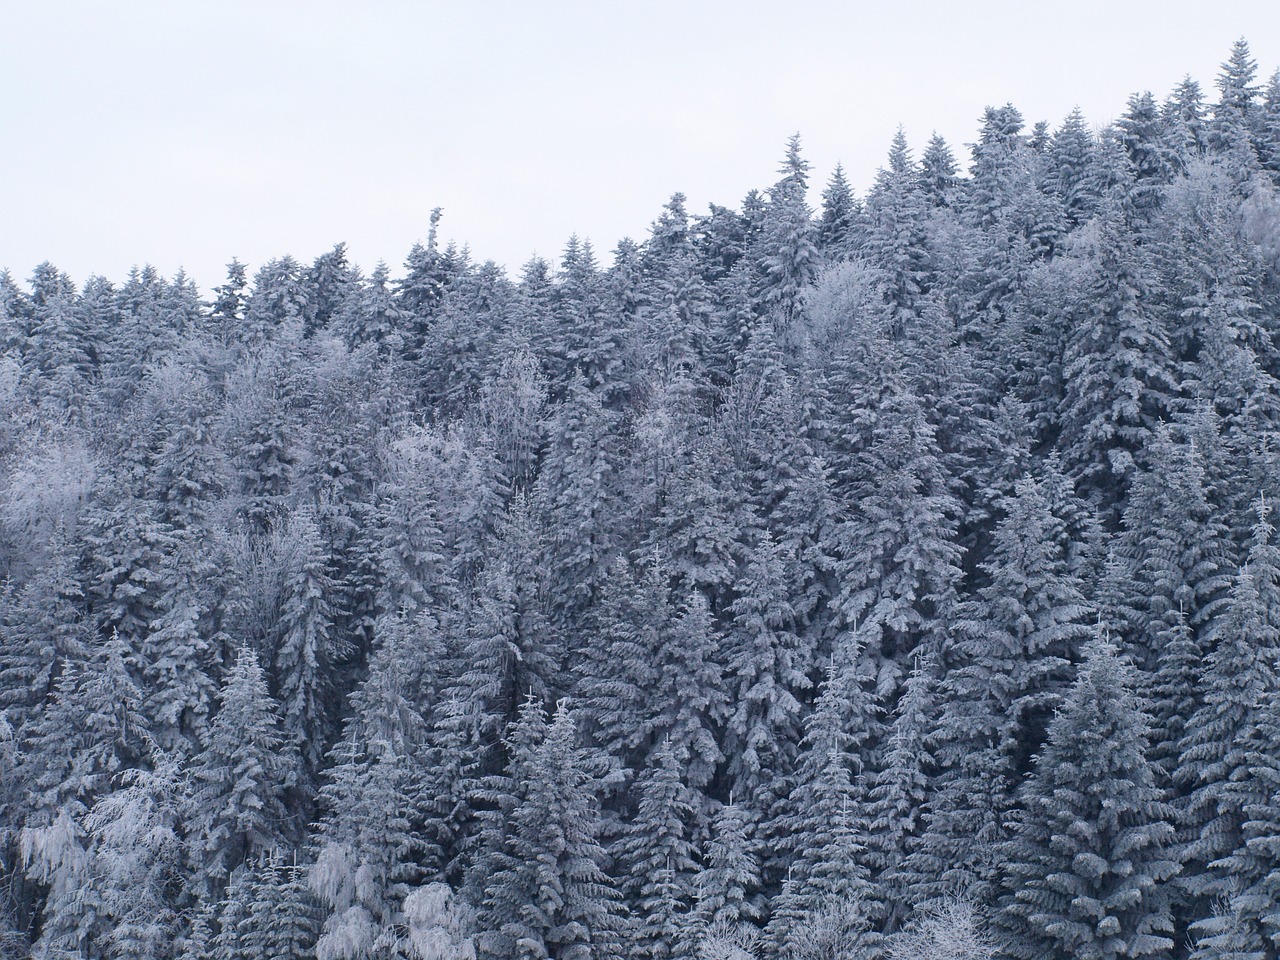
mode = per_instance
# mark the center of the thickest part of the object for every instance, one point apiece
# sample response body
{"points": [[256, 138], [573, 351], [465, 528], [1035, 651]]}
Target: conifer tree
{"points": [[1070, 154], [1233, 113], [898, 790], [548, 895], [895, 233], [898, 560], [306, 648], [1142, 132], [822, 822], [656, 855], [376, 840], [938, 173], [839, 215], [137, 858], [727, 886], [1090, 856], [180, 654], [767, 673], [1116, 361], [1239, 677], [41, 628], [238, 779], [789, 240], [372, 316]]}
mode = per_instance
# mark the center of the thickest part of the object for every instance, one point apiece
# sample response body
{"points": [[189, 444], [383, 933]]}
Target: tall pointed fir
{"points": [[238, 780], [938, 173], [305, 649], [1022, 633], [1233, 114], [1116, 365], [1175, 554], [819, 834], [840, 209], [181, 649], [576, 492], [91, 733], [1239, 678], [898, 559], [372, 317], [1070, 155], [898, 790], [656, 855], [138, 861], [548, 896], [728, 884], [895, 234], [767, 675], [789, 242], [1090, 858], [382, 797]]}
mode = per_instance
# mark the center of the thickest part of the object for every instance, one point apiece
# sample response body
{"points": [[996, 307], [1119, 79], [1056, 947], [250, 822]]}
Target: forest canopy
{"points": [[889, 577]]}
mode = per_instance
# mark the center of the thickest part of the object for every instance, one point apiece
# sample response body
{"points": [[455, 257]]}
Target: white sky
{"points": [[183, 133]]}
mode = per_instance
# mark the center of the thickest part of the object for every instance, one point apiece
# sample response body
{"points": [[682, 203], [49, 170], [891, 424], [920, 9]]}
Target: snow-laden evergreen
{"points": [[900, 565]]}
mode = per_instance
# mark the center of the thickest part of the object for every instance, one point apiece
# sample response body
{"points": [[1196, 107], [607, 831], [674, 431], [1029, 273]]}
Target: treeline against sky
{"points": [[891, 578]]}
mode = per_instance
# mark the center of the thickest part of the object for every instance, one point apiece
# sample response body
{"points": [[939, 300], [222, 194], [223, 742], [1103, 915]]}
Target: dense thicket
{"points": [[893, 578]]}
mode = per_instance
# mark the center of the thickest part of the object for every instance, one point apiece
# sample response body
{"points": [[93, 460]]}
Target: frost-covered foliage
{"points": [[823, 576]]}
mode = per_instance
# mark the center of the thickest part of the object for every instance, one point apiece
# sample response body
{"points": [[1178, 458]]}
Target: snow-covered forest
{"points": [[824, 577]]}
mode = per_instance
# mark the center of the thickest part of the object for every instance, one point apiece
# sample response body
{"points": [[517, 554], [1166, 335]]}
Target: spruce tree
{"points": [[656, 855], [238, 779], [1215, 760], [1091, 854], [548, 895]]}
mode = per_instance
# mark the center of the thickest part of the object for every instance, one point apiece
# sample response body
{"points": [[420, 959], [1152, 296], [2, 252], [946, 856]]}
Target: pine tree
{"points": [[1268, 127], [376, 837], [898, 560], [728, 884], [1019, 638], [1090, 857], [234, 916], [238, 780], [615, 675], [656, 855], [789, 241], [1174, 548], [41, 627], [1184, 117], [137, 858], [306, 648], [372, 316], [895, 234], [1233, 113], [1239, 676], [839, 215], [687, 699], [1070, 155], [938, 173], [575, 492], [1252, 868], [898, 790], [1143, 134], [548, 895], [1116, 363], [92, 732], [179, 655], [768, 672], [822, 822], [227, 310]]}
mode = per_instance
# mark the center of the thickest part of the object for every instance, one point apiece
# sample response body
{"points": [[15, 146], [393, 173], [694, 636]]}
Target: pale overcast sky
{"points": [[183, 133]]}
